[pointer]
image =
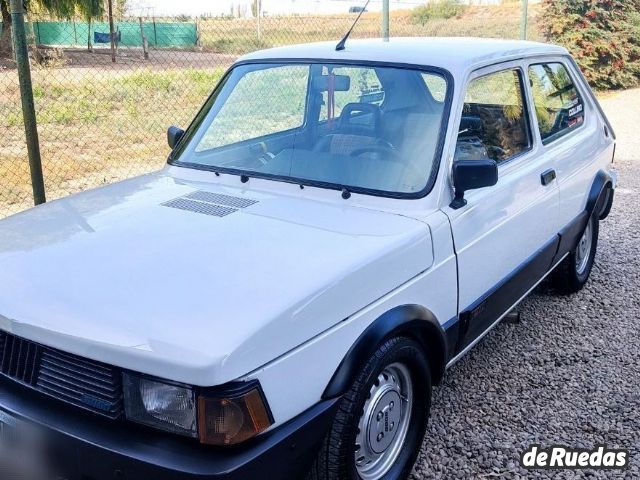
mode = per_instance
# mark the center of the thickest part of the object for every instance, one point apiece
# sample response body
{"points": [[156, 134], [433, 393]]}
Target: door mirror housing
{"points": [[472, 174], [174, 134]]}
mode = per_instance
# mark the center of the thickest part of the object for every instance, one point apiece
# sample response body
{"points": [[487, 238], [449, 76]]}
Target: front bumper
{"points": [[87, 447]]}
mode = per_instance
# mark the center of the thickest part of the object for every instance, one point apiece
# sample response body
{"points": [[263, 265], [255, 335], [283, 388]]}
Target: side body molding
{"points": [[413, 321]]}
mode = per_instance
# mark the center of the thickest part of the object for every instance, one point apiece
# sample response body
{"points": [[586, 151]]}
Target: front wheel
{"points": [[573, 272], [378, 429]]}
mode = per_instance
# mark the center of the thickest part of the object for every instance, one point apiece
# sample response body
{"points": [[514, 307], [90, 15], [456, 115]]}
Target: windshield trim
{"points": [[437, 156]]}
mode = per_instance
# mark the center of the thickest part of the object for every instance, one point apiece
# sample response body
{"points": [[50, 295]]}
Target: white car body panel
{"points": [[183, 312], [281, 290], [578, 156], [313, 364]]}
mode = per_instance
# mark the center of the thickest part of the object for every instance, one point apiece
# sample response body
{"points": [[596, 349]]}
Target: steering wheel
{"points": [[386, 150], [390, 154]]}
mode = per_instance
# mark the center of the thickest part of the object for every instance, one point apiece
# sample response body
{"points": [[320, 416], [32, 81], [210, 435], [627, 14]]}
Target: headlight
{"points": [[161, 405], [216, 417]]}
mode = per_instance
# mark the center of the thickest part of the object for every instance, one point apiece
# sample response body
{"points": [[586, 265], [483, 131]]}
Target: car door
{"points": [[506, 235]]}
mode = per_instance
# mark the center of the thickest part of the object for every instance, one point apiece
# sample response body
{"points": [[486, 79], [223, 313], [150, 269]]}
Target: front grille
{"points": [[18, 358], [72, 379]]}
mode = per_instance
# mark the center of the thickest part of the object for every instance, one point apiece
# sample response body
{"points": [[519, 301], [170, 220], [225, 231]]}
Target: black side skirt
{"points": [[479, 316], [475, 320]]}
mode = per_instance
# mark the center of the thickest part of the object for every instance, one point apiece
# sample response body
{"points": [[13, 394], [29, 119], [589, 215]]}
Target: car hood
{"points": [[125, 275]]}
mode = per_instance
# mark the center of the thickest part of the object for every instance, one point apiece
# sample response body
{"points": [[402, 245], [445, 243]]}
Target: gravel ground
{"points": [[569, 373]]}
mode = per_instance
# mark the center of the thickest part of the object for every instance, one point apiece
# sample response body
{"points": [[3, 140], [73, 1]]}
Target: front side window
{"points": [[493, 124], [349, 126], [559, 108]]}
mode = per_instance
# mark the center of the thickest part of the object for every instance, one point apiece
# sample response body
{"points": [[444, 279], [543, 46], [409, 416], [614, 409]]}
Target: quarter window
{"points": [[493, 124], [559, 108]]}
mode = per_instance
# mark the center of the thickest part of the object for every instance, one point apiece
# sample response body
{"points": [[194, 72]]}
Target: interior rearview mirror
{"points": [[341, 83], [174, 134], [472, 174]]}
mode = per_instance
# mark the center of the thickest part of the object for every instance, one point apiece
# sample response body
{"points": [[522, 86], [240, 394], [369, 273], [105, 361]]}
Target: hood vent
{"points": [[219, 199], [208, 203]]}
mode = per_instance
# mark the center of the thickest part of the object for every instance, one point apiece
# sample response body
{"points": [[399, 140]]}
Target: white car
{"points": [[332, 232]]}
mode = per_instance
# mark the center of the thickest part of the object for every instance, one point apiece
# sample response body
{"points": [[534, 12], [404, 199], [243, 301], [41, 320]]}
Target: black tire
{"points": [[336, 459], [568, 278]]}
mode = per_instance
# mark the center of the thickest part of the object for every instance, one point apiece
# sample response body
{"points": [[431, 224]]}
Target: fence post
{"points": [[89, 44], [143, 39], [155, 32], [258, 14], [111, 33], [26, 95], [523, 20], [385, 20]]}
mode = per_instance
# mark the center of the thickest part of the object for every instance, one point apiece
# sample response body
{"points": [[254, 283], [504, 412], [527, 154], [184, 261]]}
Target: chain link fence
{"points": [[101, 120]]}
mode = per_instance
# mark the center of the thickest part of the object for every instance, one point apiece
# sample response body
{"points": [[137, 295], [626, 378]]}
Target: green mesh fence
{"points": [[158, 34]]}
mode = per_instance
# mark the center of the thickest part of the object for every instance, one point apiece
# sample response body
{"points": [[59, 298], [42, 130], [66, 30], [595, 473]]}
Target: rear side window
{"points": [[559, 107], [494, 124]]}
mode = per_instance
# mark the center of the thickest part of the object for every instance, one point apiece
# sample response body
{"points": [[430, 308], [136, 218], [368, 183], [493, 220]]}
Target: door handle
{"points": [[547, 176]]}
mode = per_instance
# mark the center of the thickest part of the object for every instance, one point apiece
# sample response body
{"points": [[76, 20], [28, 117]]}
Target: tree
{"points": [[5, 36], [256, 8], [602, 35], [88, 10], [58, 8]]}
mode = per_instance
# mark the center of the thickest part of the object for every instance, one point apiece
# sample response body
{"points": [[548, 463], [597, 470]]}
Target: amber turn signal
{"points": [[228, 421]]}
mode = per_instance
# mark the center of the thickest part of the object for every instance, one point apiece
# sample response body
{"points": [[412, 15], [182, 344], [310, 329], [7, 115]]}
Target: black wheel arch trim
{"points": [[414, 321], [596, 199]]}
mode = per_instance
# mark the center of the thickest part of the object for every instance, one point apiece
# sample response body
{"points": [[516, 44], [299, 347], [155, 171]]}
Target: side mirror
{"points": [[174, 134], [472, 174]]}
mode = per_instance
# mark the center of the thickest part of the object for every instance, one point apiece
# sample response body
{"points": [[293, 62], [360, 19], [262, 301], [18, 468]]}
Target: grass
{"points": [[440, 9], [101, 122], [441, 18], [96, 130]]}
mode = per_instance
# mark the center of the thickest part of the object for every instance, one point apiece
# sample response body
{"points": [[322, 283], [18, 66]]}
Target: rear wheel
{"points": [[378, 429], [573, 272]]}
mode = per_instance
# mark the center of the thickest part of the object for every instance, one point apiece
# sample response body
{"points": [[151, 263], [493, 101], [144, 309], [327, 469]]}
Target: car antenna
{"points": [[341, 43]]}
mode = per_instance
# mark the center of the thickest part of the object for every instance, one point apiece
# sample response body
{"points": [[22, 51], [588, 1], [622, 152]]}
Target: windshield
{"points": [[369, 127]]}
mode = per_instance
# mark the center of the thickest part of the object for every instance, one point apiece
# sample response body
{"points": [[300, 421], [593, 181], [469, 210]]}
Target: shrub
{"points": [[602, 35], [436, 9]]}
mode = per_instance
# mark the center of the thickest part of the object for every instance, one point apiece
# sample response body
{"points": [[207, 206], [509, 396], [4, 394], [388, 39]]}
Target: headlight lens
{"points": [[159, 404], [225, 417]]}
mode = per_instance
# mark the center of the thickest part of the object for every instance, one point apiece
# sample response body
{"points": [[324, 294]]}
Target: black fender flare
{"points": [[413, 321], [596, 202], [598, 195]]}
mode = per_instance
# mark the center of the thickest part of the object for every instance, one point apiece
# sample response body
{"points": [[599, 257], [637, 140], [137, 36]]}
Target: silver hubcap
{"points": [[384, 422], [583, 249]]}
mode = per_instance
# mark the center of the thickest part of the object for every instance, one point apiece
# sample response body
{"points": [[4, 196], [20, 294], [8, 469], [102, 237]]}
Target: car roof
{"points": [[456, 54]]}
